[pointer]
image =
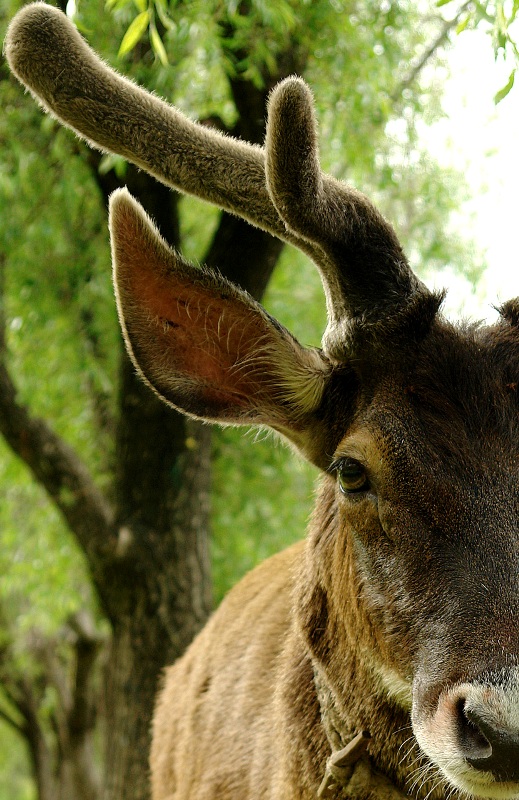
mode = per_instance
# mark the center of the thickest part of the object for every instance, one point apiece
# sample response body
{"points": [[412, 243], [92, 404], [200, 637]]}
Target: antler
{"points": [[364, 270], [48, 55], [280, 189]]}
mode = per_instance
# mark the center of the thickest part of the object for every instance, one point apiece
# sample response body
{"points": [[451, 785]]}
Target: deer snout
{"points": [[487, 745], [472, 734]]}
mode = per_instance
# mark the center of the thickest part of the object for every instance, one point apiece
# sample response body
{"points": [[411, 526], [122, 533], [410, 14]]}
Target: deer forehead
{"points": [[452, 398]]}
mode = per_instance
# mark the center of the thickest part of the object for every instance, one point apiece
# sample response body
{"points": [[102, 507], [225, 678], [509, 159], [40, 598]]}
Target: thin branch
{"points": [[17, 726], [21, 696], [39, 750], [56, 675], [53, 462], [11, 689], [58, 469], [429, 53], [7, 686]]}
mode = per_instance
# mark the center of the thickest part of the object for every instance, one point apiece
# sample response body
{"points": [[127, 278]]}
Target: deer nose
{"points": [[487, 746]]}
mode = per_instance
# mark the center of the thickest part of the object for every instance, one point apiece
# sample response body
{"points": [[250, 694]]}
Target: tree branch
{"points": [[58, 469], [429, 53], [53, 462], [82, 714], [246, 255], [16, 726], [20, 694]]}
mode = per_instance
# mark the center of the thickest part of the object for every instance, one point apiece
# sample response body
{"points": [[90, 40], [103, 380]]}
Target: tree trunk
{"points": [[157, 591], [77, 778], [41, 758]]}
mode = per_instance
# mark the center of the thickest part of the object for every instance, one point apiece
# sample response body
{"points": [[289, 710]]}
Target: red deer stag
{"points": [[400, 614]]}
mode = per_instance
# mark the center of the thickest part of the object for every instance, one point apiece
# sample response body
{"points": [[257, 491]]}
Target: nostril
{"points": [[473, 742], [487, 747]]}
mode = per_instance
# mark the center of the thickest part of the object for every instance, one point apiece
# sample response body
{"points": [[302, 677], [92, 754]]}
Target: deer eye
{"points": [[351, 476]]}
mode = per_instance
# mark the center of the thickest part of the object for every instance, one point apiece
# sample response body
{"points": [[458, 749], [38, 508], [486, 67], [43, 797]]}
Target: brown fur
{"points": [[400, 613]]}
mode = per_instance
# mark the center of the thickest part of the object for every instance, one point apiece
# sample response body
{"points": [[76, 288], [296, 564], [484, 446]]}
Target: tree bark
{"points": [[39, 752], [60, 741], [161, 596]]}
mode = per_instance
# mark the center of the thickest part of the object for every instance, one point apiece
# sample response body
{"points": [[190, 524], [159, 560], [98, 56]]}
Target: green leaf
{"points": [[82, 28], [163, 14], [115, 5], [501, 19], [158, 46], [134, 33], [441, 3], [502, 93], [111, 161], [461, 26]]}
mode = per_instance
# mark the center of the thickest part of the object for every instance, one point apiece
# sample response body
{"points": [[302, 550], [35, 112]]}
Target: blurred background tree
{"points": [[107, 566]]}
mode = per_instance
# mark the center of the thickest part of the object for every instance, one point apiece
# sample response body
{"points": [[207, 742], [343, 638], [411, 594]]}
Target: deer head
{"points": [[412, 573]]}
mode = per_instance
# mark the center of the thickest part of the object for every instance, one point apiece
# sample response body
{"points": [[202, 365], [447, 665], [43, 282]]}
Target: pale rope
{"points": [[346, 772]]}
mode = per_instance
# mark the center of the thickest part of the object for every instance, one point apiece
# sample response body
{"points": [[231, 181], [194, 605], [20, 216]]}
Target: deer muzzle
{"points": [[471, 731]]}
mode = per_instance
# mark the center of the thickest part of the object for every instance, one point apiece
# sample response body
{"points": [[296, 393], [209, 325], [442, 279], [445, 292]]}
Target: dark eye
{"points": [[351, 475]]}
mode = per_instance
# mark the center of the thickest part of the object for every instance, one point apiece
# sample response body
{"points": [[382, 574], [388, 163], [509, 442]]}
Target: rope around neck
{"points": [[346, 771], [339, 766]]}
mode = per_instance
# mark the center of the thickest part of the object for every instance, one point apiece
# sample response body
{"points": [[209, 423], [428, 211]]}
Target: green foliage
{"points": [[44, 576], [262, 497], [15, 779], [135, 32], [507, 88], [499, 19], [62, 340], [57, 282]]}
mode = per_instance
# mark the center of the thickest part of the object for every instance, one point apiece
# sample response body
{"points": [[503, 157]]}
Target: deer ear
{"points": [[205, 346]]}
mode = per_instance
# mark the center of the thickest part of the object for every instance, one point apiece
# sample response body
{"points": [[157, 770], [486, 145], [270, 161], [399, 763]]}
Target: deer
{"points": [[379, 658]]}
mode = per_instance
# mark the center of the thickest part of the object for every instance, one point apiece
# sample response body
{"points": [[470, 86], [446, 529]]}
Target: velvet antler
{"points": [[280, 189]]}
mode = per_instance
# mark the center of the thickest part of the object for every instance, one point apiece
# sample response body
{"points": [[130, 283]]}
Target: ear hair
{"points": [[509, 311]]}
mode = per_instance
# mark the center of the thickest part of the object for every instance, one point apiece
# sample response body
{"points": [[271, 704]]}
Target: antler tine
{"points": [[48, 55], [363, 268]]}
